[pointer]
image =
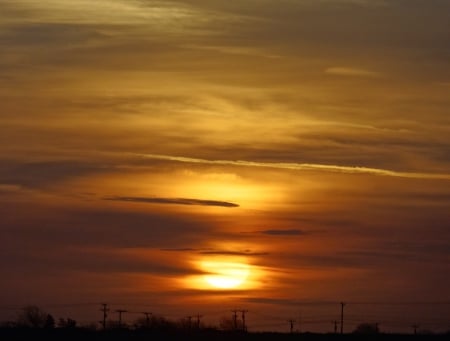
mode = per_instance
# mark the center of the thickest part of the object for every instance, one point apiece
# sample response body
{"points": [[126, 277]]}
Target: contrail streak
{"points": [[302, 166]]}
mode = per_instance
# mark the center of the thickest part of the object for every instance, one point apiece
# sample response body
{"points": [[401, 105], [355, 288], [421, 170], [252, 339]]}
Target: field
{"points": [[19, 334]]}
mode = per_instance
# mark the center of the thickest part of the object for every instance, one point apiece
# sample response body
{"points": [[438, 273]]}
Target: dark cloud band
{"points": [[174, 201], [292, 232]]}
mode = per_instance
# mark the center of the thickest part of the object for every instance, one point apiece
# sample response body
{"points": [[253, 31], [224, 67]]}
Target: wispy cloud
{"points": [[100, 11], [173, 201], [182, 249], [352, 72], [290, 232], [42, 174], [233, 253], [288, 302], [217, 252], [363, 3], [303, 167], [9, 188], [235, 50]]}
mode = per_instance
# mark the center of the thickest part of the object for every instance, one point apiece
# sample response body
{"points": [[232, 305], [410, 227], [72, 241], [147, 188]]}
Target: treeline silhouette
{"points": [[32, 322]]}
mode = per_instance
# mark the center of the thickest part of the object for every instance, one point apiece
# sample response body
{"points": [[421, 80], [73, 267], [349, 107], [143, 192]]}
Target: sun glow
{"points": [[225, 275], [226, 187]]}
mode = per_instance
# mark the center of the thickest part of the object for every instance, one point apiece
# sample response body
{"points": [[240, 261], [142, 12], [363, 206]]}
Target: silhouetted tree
{"points": [[162, 323], [88, 326], [8, 324], [49, 322], [425, 332], [186, 324], [367, 328], [112, 324], [142, 323], [229, 324], [33, 317], [66, 323]]}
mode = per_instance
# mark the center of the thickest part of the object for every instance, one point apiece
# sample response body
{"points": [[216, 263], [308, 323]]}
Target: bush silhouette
{"points": [[367, 328], [32, 316]]}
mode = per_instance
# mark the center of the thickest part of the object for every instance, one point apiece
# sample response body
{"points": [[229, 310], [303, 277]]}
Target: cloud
{"points": [[352, 72], [233, 253], [363, 3], [42, 174], [118, 12], [217, 252], [174, 201], [437, 197], [290, 232], [93, 259], [101, 228], [289, 302], [235, 50], [181, 249], [9, 188], [303, 167], [277, 301]]}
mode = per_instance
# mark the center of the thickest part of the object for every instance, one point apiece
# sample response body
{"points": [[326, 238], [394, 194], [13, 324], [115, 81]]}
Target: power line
{"points": [[321, 316]]}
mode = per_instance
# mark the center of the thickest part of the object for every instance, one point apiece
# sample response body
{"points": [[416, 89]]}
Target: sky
{"points": [[197, 156]]}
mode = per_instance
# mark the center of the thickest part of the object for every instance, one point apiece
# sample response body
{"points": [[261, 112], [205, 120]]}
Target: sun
{"points": [[225, 275]]}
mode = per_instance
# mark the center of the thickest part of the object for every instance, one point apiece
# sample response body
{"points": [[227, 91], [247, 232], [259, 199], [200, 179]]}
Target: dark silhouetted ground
{"points": [[22, 334]]}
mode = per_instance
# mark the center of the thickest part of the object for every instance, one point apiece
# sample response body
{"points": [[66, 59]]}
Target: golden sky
{"points": [[202, 156]]}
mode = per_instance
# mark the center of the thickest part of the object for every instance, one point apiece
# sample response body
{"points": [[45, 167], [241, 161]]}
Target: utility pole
{"points": [[244, 327], [189, 321], [105, 310], [235, 318], [415, 327], [198, 320], [147, 318], [291, 323], [120, 311], [299, 322], [342, 317]]}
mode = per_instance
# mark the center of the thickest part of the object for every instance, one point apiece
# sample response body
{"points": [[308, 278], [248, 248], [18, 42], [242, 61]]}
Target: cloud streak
{"points": [[216, 252], [303, 167], [233, 253], [290, 232], [351, 72], [174, 201], [98, 12]]}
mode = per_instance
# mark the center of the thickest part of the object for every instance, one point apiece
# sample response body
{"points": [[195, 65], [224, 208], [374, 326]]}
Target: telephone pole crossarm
{"points": [[105, 311]]}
